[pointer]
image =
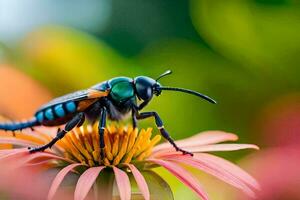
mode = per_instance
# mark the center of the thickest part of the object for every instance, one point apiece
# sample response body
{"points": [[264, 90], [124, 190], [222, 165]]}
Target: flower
{"points": [[277, 170], [127, 152], [13, 79]]}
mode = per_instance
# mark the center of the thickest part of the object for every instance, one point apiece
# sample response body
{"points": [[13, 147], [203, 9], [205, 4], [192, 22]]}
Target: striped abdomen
{"points": [[56, 114]]}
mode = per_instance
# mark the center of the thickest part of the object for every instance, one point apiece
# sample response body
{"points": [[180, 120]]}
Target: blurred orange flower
{"points": [[20, 95]]}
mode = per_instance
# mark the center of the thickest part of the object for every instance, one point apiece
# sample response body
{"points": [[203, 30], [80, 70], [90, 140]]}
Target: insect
{"points": [[113, 99]]}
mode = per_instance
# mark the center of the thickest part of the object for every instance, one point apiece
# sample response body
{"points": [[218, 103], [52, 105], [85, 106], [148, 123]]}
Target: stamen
{"points": [[73, 149], [132, 138], [106, 162], [87, 145], [96, 154], [145, 142], [95, 141], [115, 145], [122, 145]]}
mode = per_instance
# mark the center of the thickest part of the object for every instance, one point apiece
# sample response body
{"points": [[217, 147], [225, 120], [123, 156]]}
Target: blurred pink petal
{"points": [[7, 152], [214, 170], [140, 180], [59, 178], [123, 184], [207, 137], [86, 181], [14, 155], [221, 147], [22, 157], [279, 121], [16, 141], [277, 170], [182, 175], [23, 183]]}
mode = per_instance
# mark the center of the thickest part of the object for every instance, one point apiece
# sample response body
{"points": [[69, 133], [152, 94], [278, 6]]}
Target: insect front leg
{"points": [[161, 128], [101, 127], [77, 120], [134, 119], [134, 111], [142, 105]]}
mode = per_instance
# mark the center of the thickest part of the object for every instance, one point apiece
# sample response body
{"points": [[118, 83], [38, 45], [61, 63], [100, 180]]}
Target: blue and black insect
{"points": [[112, 99]]}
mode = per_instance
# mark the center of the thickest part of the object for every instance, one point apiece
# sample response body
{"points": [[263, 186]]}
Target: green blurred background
{"points": [[243, 53]]}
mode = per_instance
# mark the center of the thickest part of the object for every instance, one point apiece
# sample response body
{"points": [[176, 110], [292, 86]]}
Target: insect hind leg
{"points": [[14, 126], [161, 128], [77, 120]]}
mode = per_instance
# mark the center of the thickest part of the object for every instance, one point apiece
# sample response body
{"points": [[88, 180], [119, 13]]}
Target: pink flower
{"points": [[277, 170], [128, 152]]}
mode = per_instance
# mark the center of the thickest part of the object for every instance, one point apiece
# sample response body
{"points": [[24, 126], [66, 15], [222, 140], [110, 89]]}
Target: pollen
{"points": [[123, 144]]}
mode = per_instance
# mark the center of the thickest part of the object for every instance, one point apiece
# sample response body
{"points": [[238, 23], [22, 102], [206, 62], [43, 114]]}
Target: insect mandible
{"points": [[113, 99]]}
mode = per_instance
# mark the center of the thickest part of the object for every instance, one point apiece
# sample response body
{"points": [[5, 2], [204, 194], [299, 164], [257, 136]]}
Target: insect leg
{"points": [[101, 127], [161, 128], [134, 120], [77, 120], [142, 105]]}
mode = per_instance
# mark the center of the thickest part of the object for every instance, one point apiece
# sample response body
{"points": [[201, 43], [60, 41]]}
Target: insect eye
{"points": [[144, 88]]}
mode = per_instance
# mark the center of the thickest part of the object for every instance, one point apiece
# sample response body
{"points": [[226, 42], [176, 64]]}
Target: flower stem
{"points": [[103, 186]]}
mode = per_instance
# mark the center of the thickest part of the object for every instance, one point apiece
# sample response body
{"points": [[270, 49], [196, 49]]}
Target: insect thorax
{"points": [[122, 89]]}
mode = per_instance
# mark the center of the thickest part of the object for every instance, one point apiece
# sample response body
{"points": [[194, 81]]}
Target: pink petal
{"points": [[222, 165], [21, 157], [86, 181], [12, 154], [140, 180], [183, 176], [4, 152], [205, 148], [43, 155], [39, 163], [16, 141], [229, 167], [14, 158], [221, 147], [59, 178], [123, 184], [214, 170], [166, 152], [207, 137]]}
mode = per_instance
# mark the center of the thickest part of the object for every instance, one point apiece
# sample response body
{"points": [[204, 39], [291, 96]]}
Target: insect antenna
{"points": [[189, 92], [166, 73]]}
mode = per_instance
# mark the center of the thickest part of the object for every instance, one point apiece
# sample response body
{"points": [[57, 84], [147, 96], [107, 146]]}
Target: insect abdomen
{"points": [[13, 126], [55, 112]]}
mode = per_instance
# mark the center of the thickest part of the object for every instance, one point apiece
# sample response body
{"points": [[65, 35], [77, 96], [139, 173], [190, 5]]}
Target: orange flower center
{"points": [[122, 145]]}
